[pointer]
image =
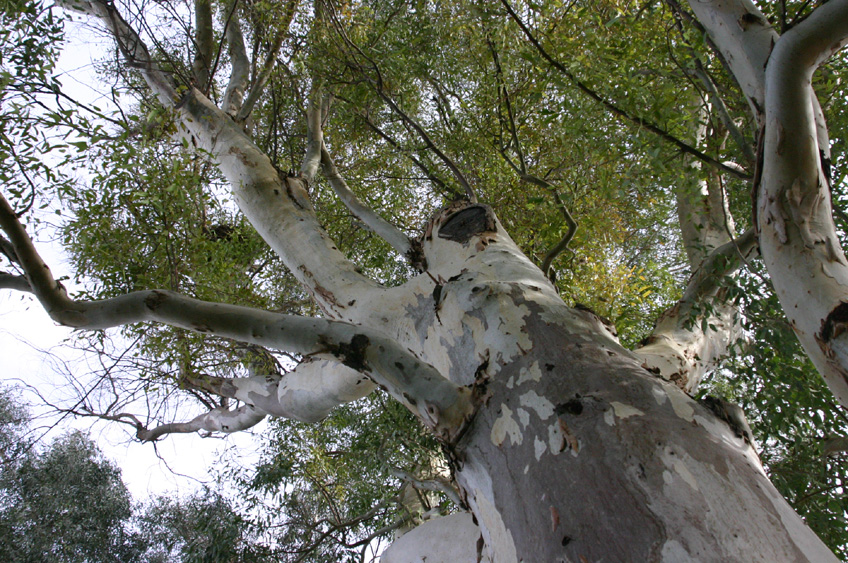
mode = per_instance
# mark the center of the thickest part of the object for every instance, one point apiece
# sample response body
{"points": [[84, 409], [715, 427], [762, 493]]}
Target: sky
{"points": [[178, 463]]}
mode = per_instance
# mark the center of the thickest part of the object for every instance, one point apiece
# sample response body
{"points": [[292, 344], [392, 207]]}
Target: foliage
{"points": [[153, 214], [337, 486], [202, 528], [61, 503]]}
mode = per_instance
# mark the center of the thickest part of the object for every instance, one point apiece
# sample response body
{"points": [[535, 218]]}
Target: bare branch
{"points": [[240, 74], [217, 420], [261, 80], [744, 38], [10, 281], [203, 44], [438, 182], [382, 228]]}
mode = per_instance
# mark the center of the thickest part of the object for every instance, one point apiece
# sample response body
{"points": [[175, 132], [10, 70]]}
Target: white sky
{"points": [[182, 460]]}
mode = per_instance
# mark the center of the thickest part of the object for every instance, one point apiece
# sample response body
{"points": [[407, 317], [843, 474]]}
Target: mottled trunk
{"points": [[578, 453]]}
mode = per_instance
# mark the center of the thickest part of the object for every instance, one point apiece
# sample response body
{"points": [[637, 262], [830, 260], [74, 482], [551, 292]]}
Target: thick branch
{"points": [[278, 207], [697, 332], [10, 281], [308, 393], [794, 214], [441, 405], [744, 38], [219, 419]]}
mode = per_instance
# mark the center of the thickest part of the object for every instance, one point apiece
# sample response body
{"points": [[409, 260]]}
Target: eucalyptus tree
{"points": [[588, 129], [60, 501]]}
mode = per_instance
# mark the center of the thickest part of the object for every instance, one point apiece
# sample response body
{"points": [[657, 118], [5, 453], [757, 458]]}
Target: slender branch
{"points": [[379, 87], [8, 250], [259, 81], [385, 230], [616, 110], [10, 281], [562, 245], [240, 74], [416, 161], [203, 44]]}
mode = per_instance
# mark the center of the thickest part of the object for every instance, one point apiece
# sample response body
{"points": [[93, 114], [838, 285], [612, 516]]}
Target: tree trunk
{"points": [[577, 452]]}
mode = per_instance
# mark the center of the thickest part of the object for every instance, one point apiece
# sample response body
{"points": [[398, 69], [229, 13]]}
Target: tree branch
{"points": [[744, 38], [219, 419], [382, 228], [278, 207], [203, 44], [130, 45], [438, 182], [240, 74], [307, 393], [260, 80], [794, 214], [691, 337], [378, 86], [440, 404], [10, 281]]}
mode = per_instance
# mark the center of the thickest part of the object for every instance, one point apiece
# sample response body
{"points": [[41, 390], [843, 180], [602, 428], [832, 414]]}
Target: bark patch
{"points": [[154, 300], [835, 323], [573, 407], [352, 354], [466, 223]]}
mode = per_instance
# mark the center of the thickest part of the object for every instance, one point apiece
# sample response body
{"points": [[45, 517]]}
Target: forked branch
{"points": [[439, 403]]}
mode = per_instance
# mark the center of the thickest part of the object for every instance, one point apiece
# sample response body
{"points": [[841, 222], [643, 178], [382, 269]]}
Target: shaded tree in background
{"points": [[60, 503], [250, 205]]}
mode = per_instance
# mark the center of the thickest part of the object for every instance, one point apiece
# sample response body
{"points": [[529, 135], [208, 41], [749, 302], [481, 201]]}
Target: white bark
{"points": [[797, 235], [308, 393], [240, 74], [449, 539], [745, 39], [219, 419]]}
